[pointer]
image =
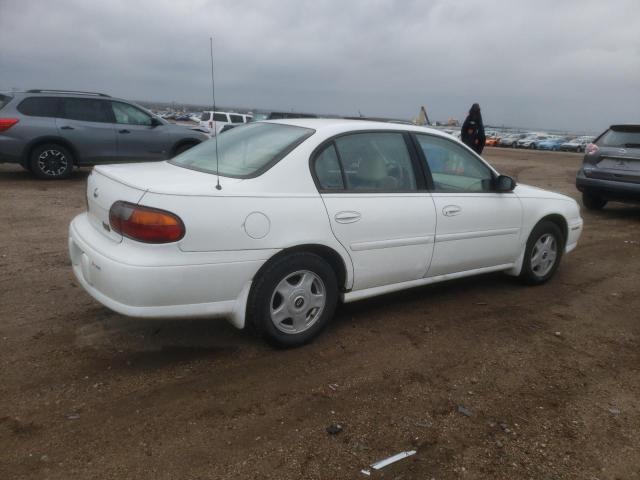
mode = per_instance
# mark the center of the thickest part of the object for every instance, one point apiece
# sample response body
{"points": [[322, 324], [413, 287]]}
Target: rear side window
{"points": [[627, 137], [86, 110], [39, 106], [220, 117], [327, 168], [4, 99], [236, 118], [377, 161]]}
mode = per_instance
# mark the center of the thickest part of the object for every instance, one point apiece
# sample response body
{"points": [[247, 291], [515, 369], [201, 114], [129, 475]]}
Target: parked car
{"points": [[550, 143], [492, 141], [611, 168], [309, 212], [49, 132], [214, 121], [510, 140], [576, 145], [530, 141]]}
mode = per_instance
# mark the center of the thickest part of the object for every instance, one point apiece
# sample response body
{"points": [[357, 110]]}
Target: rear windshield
{"points": [[626, 137], [4, 99], [245, 151]]}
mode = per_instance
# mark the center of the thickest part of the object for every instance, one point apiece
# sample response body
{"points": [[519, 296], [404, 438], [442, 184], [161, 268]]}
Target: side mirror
{"points": [[504, 184], [155, 122]]}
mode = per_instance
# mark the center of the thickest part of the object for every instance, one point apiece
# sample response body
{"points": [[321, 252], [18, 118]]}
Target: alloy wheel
{"points": [[52, 162], [297, 302], [544, 254]]}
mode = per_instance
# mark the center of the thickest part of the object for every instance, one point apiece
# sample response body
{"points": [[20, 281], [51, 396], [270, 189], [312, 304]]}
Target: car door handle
{"points": [[66, 127], [124, 131], [347, 217], [451, 210]]}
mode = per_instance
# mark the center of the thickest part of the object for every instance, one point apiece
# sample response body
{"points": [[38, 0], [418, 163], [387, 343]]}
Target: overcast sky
{"points": [[546, 64]]}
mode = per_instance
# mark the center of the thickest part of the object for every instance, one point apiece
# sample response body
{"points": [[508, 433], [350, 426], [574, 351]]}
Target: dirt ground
{"points": [[485, 378]]}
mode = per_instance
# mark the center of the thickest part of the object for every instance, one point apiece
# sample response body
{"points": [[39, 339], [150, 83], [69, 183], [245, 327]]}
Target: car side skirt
{"points": [[354, 296]]}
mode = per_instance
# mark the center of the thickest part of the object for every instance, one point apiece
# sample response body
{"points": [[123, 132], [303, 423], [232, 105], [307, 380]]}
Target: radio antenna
{"points": [[215, 126]]}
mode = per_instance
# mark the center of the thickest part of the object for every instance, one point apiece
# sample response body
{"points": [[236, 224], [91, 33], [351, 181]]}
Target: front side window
{"points": [[130, 115], [327, 169], [236, 118], [453, 168], [205, 116], [39, 106], [220, 117], [244, 151], [86, 110], [377, 161]]}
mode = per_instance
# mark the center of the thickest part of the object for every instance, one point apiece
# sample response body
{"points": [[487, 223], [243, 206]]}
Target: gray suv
{"points": [[611, 168], [49, 132]]}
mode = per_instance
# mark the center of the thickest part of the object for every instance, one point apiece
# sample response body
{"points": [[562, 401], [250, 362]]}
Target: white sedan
{"points": [[296, 215]]}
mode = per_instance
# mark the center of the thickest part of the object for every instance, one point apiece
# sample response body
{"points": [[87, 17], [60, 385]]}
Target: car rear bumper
{"points": [[11, 150], [182, 285], [608, 189]]}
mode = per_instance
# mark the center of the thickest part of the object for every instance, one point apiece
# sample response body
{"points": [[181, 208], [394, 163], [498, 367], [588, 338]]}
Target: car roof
{"points": [[62, 94], [347, 125]]}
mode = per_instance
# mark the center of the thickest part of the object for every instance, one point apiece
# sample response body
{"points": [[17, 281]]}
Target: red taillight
{"points": [[145, 224], [7, 123], [591, 149]]}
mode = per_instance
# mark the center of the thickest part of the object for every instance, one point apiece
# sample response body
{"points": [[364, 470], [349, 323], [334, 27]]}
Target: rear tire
{"points": [[51, 161], [293, 300], [543, 253], [592, 201]]}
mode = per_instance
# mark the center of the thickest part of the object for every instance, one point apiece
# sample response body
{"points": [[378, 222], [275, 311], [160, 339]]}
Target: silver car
{"points": [[49, 132]]}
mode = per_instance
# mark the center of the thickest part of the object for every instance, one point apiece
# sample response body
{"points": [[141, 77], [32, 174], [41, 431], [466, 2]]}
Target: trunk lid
{"points": [[102, 192], [129, 182]]}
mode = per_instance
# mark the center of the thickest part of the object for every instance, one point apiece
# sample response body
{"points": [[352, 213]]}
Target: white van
{"points": [[214, 121]]}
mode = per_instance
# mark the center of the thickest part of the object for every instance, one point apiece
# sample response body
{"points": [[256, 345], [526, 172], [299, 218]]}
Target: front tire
{"points": [[543, 253], [592, 201], [51, 161], [293, 300]]}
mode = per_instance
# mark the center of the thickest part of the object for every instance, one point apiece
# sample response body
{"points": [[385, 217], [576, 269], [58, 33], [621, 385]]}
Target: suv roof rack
{"points": [[67, 91]]}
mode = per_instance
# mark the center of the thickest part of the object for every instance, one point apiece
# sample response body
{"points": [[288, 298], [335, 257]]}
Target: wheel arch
{"points": [[560, 221], [36, 142], [328, 254], [556, 218]]}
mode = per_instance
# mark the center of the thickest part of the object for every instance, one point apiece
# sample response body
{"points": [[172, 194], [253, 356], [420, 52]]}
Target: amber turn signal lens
{"points": [[145, 224]]}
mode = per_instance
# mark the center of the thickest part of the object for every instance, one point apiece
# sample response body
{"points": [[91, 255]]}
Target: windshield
{"points": [[245, 151], [623, 138]]}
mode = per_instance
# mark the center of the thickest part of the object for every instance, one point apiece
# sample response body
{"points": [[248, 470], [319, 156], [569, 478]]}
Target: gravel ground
{"points": [[483, 377]]}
